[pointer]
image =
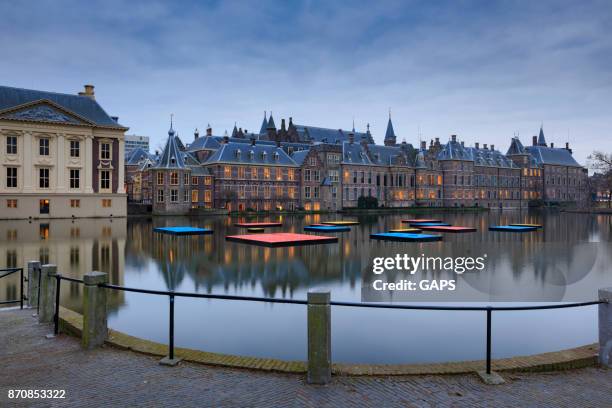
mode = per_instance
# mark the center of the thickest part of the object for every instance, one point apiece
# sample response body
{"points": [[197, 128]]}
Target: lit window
{"points": [[43, 146], [194, 196], [194, 181], [11, 177], [44, 209], [75, 148], [74, 178], [11, 203], [207, 196], [11, 145], [160, 178], [75, 203], [227, 172], [107, 202], [266, 173], [43, 178], [174, 178], [208, 180]]}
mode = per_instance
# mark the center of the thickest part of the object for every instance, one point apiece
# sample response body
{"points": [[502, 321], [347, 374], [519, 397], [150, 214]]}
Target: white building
{"points": [[134, 141]]}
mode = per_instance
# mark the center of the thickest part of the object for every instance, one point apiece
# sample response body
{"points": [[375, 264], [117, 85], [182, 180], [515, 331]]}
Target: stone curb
{"points": [[579, 357]]}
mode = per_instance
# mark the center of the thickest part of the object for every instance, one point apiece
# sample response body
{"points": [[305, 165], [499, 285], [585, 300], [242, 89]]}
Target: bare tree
{"points": [[602, 180]]}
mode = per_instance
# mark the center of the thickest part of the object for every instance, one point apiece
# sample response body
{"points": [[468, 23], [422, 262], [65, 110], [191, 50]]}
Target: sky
{"points": [[483, 70]]}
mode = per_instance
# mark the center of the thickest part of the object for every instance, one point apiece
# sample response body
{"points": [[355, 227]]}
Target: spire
{"points": [[541, 139], [171, 131], [390, 138], [271, 124], [264, 125], [235, 130], [353, 125]]}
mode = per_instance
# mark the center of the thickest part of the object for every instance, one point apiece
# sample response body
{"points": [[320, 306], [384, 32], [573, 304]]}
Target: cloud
{"points": [[483, 70]]}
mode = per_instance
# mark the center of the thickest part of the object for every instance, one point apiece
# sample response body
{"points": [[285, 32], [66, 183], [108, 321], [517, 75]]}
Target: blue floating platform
{"points": [[326, 228], [405, 237], [512, 228], [183, 230], [429, 224]]}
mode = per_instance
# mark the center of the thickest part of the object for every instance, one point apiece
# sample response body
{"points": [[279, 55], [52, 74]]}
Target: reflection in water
{"points": [[133, 255]]}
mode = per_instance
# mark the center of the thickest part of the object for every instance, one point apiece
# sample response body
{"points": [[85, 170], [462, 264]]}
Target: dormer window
{"points": [[276, 156], [238, 154], [251, 154], [173, 160], [264, 155]]}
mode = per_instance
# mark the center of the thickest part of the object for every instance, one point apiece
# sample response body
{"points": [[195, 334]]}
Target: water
{"points": [[135, 256]]}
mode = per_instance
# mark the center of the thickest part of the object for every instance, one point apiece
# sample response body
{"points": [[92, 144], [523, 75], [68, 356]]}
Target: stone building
{"points": [[61, 156]]}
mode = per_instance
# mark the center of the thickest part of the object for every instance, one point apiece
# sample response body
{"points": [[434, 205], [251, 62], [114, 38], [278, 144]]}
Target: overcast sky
{"points": [[480, 69]]}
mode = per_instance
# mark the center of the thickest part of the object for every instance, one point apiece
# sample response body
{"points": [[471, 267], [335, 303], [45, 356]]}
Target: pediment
{"points": [[43, 111]]}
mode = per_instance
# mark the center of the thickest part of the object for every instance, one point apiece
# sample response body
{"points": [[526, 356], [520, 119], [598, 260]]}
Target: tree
{"points": [[228, 196], [367, 202], [602, 181]]}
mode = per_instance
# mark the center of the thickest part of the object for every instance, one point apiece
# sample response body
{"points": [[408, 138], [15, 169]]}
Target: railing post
{"points": [[33, 283], [488, 376], [95, 323], [21, 288], [319, 337], [170, 360], [489, 341], [58, 288], [47, 293], [605, 327]]}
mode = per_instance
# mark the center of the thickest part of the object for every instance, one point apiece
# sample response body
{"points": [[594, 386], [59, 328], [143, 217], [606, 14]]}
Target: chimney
{"points": [[196, 134], [484, 146], [278, 143], [492, 147], [552, 145], [89, 92], [462, 143], [208, 131], [534, 140], [283, 128], [437, 141], [157, 153], [454, 138], [351, 136], [477, 145], [423, 145], [225, 138], [115, 118], [290, 121], [253, 141]]}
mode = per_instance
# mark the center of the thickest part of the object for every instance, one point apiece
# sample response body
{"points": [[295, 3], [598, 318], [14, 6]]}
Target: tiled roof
{"points": [[241, 153], [516, 147], [326, 135], [135, 156], [552, 155], [453, 150], [354, 153], [204, 143], [172, 156], [300, 156], [390, 133], [82, 106]]}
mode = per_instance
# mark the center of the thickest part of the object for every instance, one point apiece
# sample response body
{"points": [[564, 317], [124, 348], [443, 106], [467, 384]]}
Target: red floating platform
{"points": [[281, 239], [258, 224], [422, 220], [442, 228]]}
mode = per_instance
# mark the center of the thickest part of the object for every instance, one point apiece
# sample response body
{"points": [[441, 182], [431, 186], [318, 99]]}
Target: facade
{"points": [[316, 169], [133, 142], [61, 156]]}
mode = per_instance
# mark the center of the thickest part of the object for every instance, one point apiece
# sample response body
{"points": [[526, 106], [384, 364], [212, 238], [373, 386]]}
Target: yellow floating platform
{"points": [[527, 225], [408, 230], [255, 230], [340, 222]]}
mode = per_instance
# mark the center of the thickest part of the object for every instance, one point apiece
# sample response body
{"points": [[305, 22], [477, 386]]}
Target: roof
{"points": [[81, 106], [490, 158], [135, 156], [204, 143], [354, 153], [454, 150], [541, 139], [233, 152], [516, 147], [299, 156], [264, 125], [172, 157], [390, 133], [326, 135], [552, 155]]}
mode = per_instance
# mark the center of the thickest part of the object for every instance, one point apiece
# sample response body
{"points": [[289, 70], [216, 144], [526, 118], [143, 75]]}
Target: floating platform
{"points": [[258, 224], [407, 230], [421, 220], [429, 224], [526, 225], [444, 228], [326, 228], [281, 239], [405, 237], [255, 230], [512, 228], [183, 230], [342, 223]]}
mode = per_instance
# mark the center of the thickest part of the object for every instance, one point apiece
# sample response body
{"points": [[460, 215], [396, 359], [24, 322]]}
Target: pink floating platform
{"points": [[258, 224], [442, 228], [420, 220], [281, 239]]}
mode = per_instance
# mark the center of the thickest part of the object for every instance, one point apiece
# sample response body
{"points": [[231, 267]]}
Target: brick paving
{"points": [[118, 378]]}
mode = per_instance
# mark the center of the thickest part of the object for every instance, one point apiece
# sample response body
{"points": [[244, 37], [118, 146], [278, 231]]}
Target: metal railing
{"points": [[8, 272], [172, 294]]}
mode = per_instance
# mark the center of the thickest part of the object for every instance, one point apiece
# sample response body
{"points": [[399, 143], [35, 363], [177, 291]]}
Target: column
{"points": [[28, 163], [605, 327], [47, 293], [95, 322], [319, 337], [33, 283], [60, 164], [88, 165], [121, 164]]}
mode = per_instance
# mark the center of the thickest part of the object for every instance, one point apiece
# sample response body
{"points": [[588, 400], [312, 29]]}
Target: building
{"points": [[315, 169], [61, 156], [136, 142]]}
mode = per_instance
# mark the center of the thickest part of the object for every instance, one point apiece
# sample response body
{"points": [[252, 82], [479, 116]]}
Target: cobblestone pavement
{"points": [[115, 378]]}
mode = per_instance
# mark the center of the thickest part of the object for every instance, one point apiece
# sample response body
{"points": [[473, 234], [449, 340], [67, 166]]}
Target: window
{"points": [[44, 206], [43, 146], [11, 203], [105, 180], [160, 196], [174, 178], [312, 161], [194, 196], [227, 172], [316, 192], [75, 203], [317, 175], [207, 196], [307, 192], [240, 172], [105, 151], [194, 181], [43, 178], [254, 173], [186, 179], [207, 180], [107, 202], [74, 178], [334, 176], [11, 145], [160, 178], [291, 174], [266, 173], [75, 148], [186, 196], [173, 196], [11, 177], [307, 175]]}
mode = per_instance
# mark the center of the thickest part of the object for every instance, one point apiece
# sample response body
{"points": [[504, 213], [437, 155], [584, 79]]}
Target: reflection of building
{"points": [[60, 155], [315, 168], [136, 142]]}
